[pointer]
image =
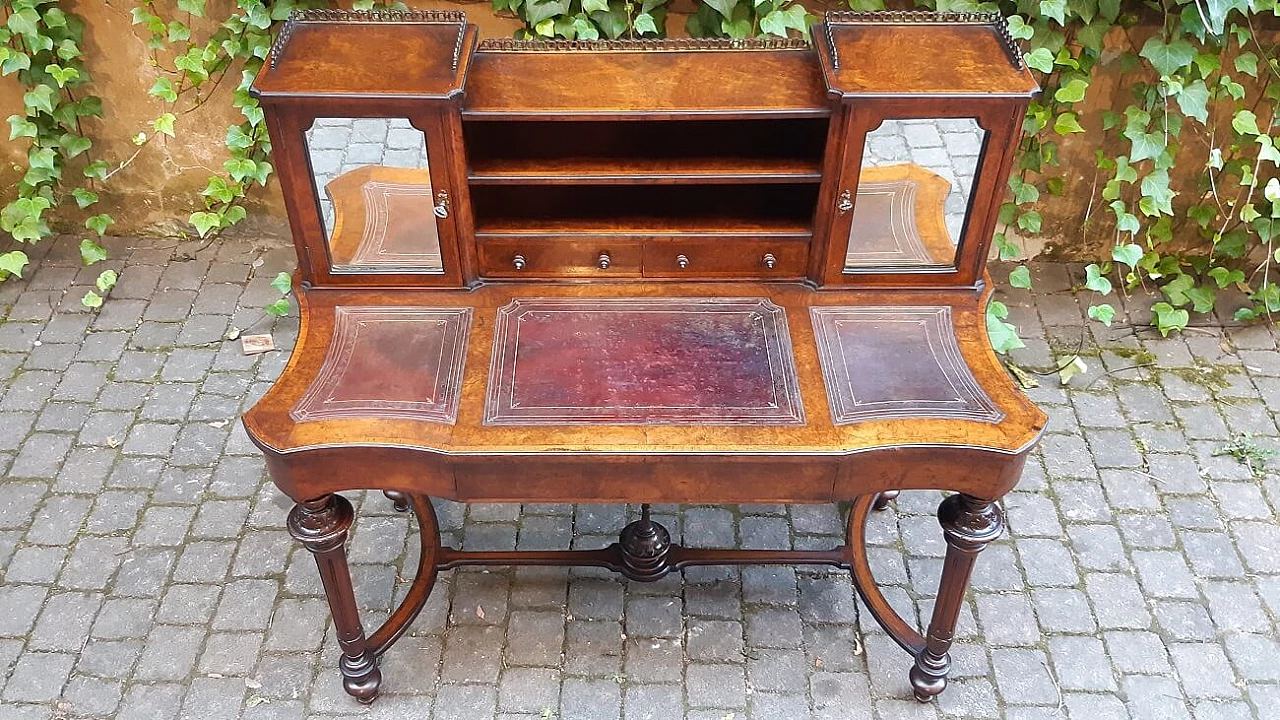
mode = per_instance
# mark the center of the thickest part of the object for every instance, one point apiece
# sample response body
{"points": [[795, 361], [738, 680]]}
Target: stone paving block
{"points": [[1081, 663], [38, 677], [1204, 670], [169, 653]]}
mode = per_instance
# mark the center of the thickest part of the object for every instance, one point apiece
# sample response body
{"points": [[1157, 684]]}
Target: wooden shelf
{"points": [[646, 152], [758, 210], [632, 170]]}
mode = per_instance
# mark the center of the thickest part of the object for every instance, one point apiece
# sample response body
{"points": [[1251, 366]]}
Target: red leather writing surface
{"points": [[390, 362], [660, 361], [896, 362]]}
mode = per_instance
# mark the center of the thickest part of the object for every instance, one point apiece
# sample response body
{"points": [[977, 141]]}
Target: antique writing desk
{"points": [[677, 271]]}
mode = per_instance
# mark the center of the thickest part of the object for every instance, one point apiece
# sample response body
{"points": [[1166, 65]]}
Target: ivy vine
{"points": [[41, 42], [613, 19], [1203, 102]]}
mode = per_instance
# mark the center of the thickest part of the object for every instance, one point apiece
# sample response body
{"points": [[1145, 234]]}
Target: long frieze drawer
{"points": [[552, 257], [725, 258]]}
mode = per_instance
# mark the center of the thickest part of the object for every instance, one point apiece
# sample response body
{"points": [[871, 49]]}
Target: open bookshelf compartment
{"points": [[760, 210], [653, 151]]}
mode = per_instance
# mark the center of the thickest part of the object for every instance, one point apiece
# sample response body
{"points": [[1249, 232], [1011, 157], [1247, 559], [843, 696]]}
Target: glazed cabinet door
{"points": [[918, 192], [385, 192]]}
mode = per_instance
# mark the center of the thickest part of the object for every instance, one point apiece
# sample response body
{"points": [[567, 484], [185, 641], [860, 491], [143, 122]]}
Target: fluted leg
{"points": [[398, 500], [321, 526], [968, 523]]}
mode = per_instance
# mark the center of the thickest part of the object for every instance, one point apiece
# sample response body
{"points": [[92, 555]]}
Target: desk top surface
{"points": [[644, 368]]}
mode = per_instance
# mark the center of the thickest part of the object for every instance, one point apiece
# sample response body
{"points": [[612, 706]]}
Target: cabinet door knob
{"points": [[846, 202], [604, 261], [769, 260], [518, 262], [442, 204], [682, 261]]}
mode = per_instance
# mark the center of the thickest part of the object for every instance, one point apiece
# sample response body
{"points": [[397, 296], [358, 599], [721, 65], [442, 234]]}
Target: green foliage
{"points": [[614, 19], [40, 43], [587, 19], [1203, 95]]}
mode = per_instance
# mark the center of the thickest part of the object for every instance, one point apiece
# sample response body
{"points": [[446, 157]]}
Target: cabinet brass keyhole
{"points": [[769, 260], [518, 262], [682, 261], [604, 261], [846, 202]]}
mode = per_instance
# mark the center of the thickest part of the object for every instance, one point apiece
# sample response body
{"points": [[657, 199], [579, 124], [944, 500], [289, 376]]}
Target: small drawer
{"points": [[552, 258], [726, 257]]}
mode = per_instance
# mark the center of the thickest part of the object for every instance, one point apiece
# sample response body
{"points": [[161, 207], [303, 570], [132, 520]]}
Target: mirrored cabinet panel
{"points": [[913, 194], [377, 203]]}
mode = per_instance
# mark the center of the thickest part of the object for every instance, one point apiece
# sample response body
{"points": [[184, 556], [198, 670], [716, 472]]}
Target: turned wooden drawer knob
{"points": [[769, 260], [682, 261], [518, 262], [604, 261]]}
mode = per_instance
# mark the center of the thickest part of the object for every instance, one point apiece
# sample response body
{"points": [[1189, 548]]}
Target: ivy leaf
{"points": [[1129, 254], [1155, 188], [106, 280], [1020, 277], [1076, 367], [1168, 59], [1003, 336], [195, 7], [163, 89], [40, 97], [1008, 250], [1224, 277], [91, 252], [1103, 313], [1040, 59], [1067, 123], [84, 198], [73, 145], [282, 283], [1169, 318], [97, 170], [1194, 101], [89, 106], [1245, 122], [21, 127], [279, 308], [16, 62], [240, 168], [237, 139], [91, 300], [99, 223], [1247, 63], [61, 75], [1095, 280], [25, 21], [1146, 146], [1202, 298], [777, 22], [1018, 28], [590, 6], [1072, 92], [724, 7], [1056, 9], [164, 124], [1030, 221], [204, 222], [12, 262]]}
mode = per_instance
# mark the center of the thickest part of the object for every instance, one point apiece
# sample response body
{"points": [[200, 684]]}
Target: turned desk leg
{"points": [[321, 526], [968, 523]]}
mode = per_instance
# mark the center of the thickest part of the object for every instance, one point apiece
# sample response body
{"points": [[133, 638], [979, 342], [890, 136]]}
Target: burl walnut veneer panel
{"points": [[642, 361], [881, 363], [390, 362]]}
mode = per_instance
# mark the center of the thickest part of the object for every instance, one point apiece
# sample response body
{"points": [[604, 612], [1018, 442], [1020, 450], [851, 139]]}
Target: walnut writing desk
{"points": [[679, 271]]}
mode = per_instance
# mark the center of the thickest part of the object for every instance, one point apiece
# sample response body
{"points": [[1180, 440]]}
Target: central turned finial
{"points": [[644, 546]]}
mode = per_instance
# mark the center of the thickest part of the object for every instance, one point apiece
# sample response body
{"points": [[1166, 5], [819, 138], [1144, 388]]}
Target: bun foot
{"points": [[361, 678], [929, 676]]}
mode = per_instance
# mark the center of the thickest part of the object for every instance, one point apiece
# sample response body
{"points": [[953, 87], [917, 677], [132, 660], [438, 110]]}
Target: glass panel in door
{"points": [[377, 205]]}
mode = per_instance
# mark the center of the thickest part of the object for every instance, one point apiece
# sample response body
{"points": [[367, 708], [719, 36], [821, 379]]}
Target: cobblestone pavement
{"points": [[147, 574]]}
